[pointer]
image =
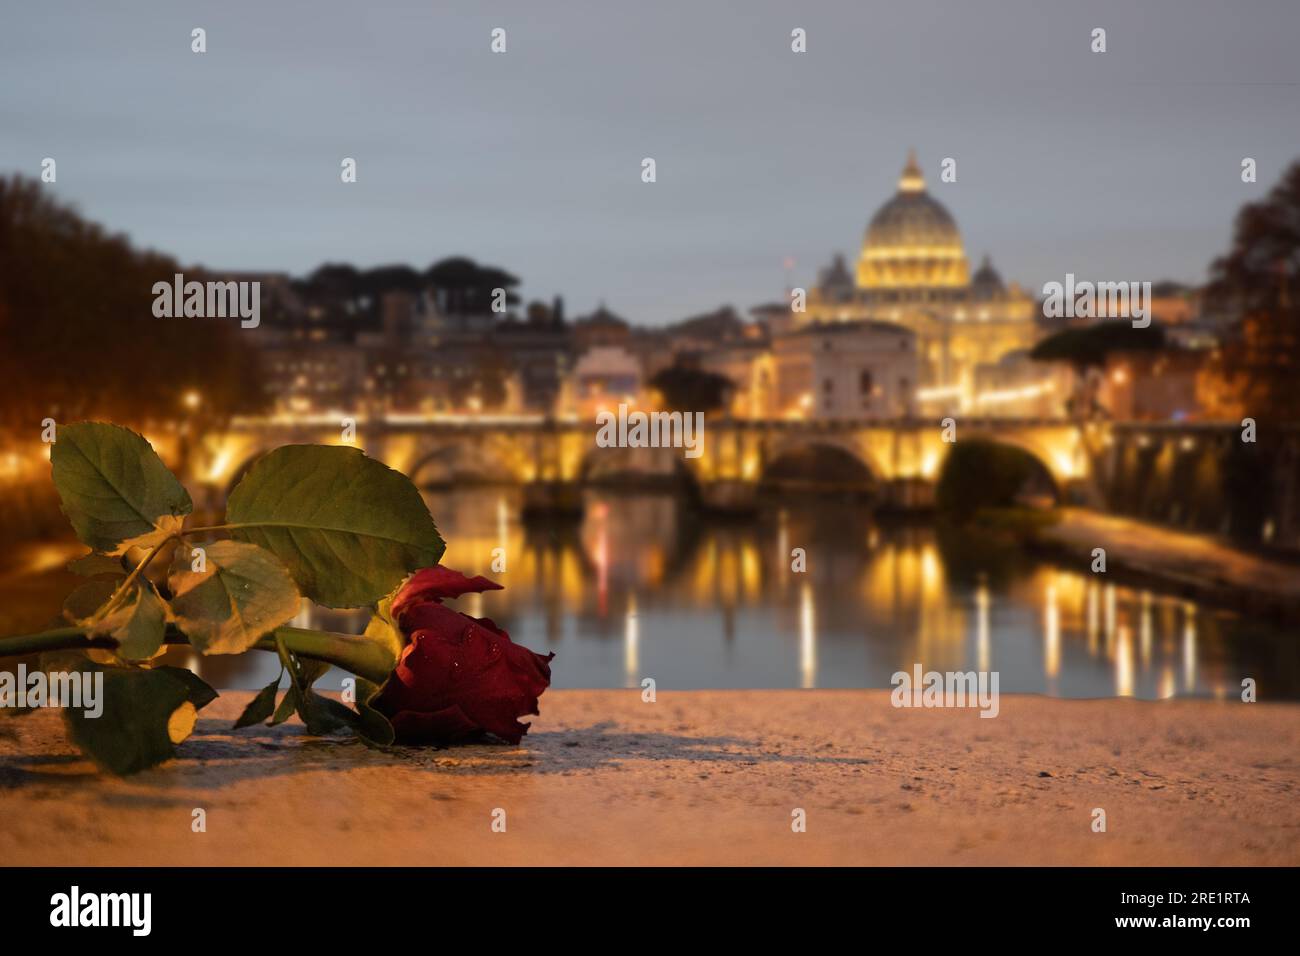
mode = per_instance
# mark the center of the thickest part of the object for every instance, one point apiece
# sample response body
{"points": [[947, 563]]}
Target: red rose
{"points": [[458, 676]]}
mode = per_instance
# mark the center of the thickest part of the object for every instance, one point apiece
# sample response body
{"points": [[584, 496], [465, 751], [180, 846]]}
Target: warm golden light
{"points": [[1093, 615], [1189, 647], [1145, 632], [1051, 635], [1167, 686], [1124, 665], [1109, 592], [631, 644], [220, 463], [807, 638], [982, 626]]}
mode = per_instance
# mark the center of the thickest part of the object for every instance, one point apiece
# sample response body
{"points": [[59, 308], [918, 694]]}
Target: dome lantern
{"points": [[912, 180], [912, 243]]}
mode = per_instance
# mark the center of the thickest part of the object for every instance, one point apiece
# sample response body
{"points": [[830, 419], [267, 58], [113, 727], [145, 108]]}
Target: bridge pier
{"points": [[553, 499], [907, 494], [729, 495]]}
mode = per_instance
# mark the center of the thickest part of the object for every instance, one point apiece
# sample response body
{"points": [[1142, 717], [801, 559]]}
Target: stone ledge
{"points": [[700, 777]]}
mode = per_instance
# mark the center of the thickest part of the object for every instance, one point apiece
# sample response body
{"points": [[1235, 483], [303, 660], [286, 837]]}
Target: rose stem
{"points": [[351, 652]]}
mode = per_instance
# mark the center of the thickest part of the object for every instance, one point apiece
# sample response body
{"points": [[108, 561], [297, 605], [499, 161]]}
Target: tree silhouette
{"points": [[687, 389], [78, 337], [1089, 347], [1255, 281], [463, 287]]}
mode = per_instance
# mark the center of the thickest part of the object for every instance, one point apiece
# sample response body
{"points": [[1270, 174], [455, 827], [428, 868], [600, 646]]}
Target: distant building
{"points": [[394, 339], [323, 377], [700, 333], [775, 318], [748, 364], [845, 370], [912, 271], [1016, 386], [604, 377], [653, 348], [1153, 386], [1173, 303], [539, 351], [602, 327]]}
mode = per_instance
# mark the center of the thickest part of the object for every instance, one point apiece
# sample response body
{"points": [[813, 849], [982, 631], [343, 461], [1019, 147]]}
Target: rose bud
{"points": [[458, 676]]}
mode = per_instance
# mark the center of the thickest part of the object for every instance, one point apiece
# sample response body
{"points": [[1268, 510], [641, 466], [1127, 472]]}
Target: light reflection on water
{"points": [[644, 587]]}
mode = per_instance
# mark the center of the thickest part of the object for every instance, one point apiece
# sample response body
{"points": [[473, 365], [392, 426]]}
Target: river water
{"points": [[642, 586]]}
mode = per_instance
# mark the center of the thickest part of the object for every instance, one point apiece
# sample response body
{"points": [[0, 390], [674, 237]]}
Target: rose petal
{"points": [[435, 617], [458, 675], [446, 726], [436, 583]]}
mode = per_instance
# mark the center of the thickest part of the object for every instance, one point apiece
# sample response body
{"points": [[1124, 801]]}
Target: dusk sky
{"points": [[1123, 165]]}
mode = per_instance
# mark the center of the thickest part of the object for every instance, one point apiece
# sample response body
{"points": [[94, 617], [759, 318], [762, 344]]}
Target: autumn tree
{"points": [[1255, 282], [78, 337]]}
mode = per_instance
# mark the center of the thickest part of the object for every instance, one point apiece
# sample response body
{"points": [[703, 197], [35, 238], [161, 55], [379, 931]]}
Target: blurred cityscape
{"points": [[907, 330]]}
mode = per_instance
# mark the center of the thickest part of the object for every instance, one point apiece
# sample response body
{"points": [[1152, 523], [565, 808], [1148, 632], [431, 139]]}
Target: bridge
{"points": [[900, 460], [1196, 476]]}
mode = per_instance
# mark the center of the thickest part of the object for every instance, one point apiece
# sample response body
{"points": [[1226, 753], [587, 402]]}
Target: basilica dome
{"points": [[912, 242]]}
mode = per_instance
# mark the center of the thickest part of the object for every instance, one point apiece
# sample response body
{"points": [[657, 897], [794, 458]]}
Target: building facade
{"points": [[912, 271], [845, 370]]}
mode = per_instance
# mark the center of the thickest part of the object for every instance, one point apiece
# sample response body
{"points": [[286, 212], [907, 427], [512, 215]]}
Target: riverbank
{"points": [[704, 777], [1197, 566]]}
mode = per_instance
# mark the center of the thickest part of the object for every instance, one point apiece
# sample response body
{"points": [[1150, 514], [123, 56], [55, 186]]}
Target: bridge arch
{"points": [[650, 465], [825, 462], [464, 460], [1040, 479]]}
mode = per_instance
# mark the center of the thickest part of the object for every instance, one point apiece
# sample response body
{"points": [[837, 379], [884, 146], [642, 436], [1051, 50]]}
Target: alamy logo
{"points": [[103, 909], [79, 690], [1098, 300], [651, 430], [211, 300], [949, 689]]}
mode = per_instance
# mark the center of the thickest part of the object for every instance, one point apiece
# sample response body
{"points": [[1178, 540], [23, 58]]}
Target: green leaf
{"points": [[313, 709], [94, 564], [288, 707], [243, 594], [288, 703], [115, 489], [146, 713], [323, 715], [310, 671], [201, 693], [136, 619], [347, 527], [139, 624], [87, 598], [371, 725], [320, 714], [383, 630], [260, 707]]}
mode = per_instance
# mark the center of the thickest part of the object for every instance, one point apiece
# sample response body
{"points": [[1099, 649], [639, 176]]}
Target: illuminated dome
{"points": [[912, 242]]}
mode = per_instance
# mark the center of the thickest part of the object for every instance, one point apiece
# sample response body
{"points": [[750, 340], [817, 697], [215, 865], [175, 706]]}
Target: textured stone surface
{"points": [[698, 777]]}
